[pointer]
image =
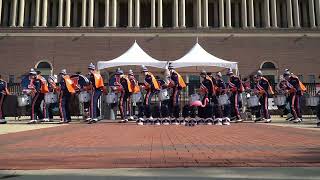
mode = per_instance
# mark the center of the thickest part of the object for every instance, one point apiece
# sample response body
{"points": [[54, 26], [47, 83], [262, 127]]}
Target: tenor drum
{"points": [[84, 97], [223, 100], [163, 95], [111, 98], [51, 98], [194, 98], [137, 97], [312, 101], [253, 101], [24, 100], [280, 100]]}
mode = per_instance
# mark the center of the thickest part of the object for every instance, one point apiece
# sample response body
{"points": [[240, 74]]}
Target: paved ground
{"points": [[112, 145], [167, 174]]}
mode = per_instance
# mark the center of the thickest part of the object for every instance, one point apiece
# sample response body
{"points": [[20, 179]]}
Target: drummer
{"points": [[176, 84], [264, 89], [295, 90], [44, 90], [97, 87], [135, 89], [222, 111], [235, 87], [3, 92], [124, 101], [281, 88], [207, 89], [152, 87], [52, 88], [66, 90], [37, 98]]}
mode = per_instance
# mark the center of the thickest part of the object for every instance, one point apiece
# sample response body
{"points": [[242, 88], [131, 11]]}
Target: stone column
{"points": [[198, 13], [60, 16], [228, 13], [37, 14], [91, 13], [0, 11], [137, 24], [317, 7], [244, 13], [114, 13], [159, 13], [221, 13], [130, 6], [251, 14], [289, 14], [21, 13], [296, 13], [175, 13], [312, 14], [153, 13], [106, 13], [183, 13], [267, 13], [67, 15], [274, 13], [44, 13], [205, 14], [84, 13], [14, 13]]}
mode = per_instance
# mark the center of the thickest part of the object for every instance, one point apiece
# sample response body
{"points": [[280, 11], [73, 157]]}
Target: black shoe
{"points": [[318, 124]]}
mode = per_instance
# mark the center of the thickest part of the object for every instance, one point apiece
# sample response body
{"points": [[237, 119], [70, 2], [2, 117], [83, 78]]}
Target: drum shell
{"points": [[111, 98], [24, 100], [280, 100], [163, 95], [84, 97], [223, 100], [51, 98], [312, 101], [253, 101], [194, 97], [136, 97]]}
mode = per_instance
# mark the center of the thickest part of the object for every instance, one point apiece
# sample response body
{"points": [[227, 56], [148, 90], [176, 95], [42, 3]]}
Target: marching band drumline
{"points": [[219, 102]]}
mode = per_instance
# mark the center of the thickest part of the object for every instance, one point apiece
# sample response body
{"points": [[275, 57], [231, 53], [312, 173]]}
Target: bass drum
{"points": [[51, 98], [163, 95], [253, 101], [80, 80], [24, 100], [223, 100], [137, 97], [84, 97], [111, 98]]}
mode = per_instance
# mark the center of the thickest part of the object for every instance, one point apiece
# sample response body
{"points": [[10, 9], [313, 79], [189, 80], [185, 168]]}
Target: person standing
{"points": [[3, 93], [235, 87], [66, 90], [152, 87], [295, 90], [222, 112], [37, 98], [264, 89], [176, 84], [43, 91], [97, 87], [135, 89], [207, 89]]}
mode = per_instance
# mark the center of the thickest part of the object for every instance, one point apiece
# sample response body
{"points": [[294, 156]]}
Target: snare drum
{"points": [[280, 100], [24, 100], [194, 98], [223, 100], [312, 101], [253, 101], [84, 97], [50, 98], [111, 98], [137, 97], [163, 95]]}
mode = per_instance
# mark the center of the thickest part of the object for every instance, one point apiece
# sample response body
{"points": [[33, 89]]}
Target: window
{"points": [[268, 65], [44, 65], [45, 68]]}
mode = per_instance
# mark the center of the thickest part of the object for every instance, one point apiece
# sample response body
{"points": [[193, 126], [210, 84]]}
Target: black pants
{"points": [[318, 111], [2, 96], [123, 103], [294, 100], [36, 106], [234, 100], [264, 106]]}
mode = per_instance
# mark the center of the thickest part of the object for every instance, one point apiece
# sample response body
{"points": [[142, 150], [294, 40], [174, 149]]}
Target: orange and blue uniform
{"points": [[236, 87], [97, 89], [264, 88], [66, 90], [152, 87], [3, 92]]}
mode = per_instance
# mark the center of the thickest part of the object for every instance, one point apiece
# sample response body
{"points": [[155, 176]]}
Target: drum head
{"points": [[80, 80]]}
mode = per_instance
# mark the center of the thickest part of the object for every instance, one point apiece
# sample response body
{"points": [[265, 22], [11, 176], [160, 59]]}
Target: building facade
{"points": [[259, 34]]}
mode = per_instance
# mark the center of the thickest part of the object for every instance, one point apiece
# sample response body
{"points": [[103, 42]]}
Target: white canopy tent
{"points": [[134, 56], [198, 57]]}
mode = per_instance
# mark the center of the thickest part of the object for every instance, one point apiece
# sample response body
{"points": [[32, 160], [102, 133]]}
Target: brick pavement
{"points": [[108, 145]]}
